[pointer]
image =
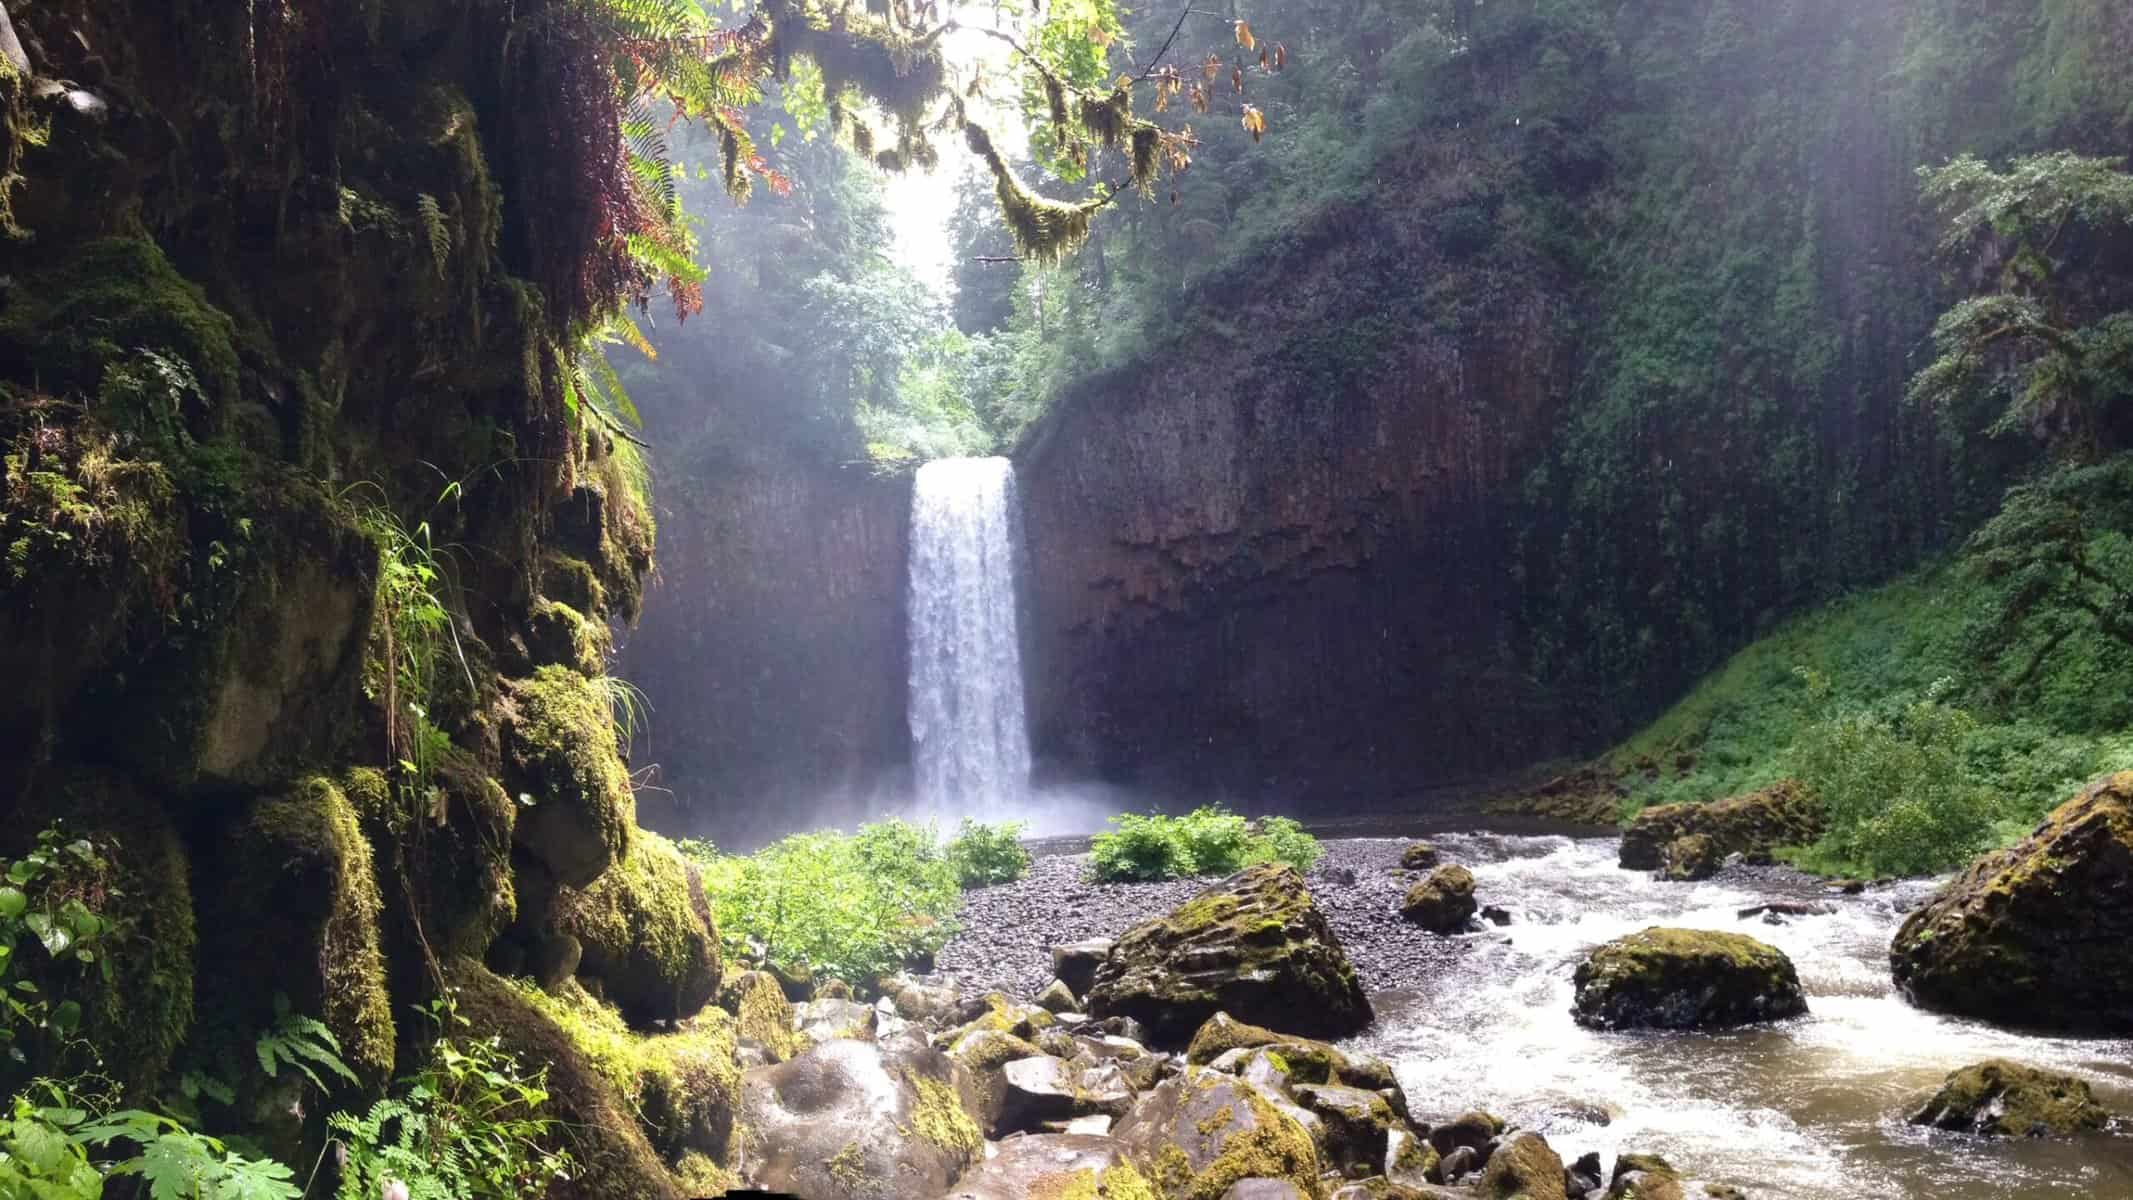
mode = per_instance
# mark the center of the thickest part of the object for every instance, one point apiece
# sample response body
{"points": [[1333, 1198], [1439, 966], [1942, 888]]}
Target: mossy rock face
{"points": [[1751, 825], [139, 1018], [645, 929], [1055, 1166], [1354, 1124], [559, 635], [1198, 1133], [1253, 945], [1691, 858], [2007, 1099], [852, 1120], [763, 1015], [1524, 1168], [292, 907], [2039, 935], [1685, 979], [1442, 903], [612, 1157], [560, 753], [1418, 856]]}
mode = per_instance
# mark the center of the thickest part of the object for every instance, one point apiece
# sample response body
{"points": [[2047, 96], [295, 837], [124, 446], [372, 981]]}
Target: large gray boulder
{"points": [[1685, 979], [1200, 1133], [1253, 945], [852, 1120], [1052, 1164]]}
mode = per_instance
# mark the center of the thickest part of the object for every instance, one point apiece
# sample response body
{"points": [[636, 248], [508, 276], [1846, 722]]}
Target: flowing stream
{"points": [[1810, 1109], [969, 735]]}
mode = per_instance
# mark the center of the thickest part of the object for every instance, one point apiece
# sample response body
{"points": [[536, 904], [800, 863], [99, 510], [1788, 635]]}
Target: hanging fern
{"points": [[440, 233]]}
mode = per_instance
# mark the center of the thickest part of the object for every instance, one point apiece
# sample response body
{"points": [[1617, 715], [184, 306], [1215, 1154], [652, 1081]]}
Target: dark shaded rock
{"points": [[1469, 1130], [1524, 1167], [1075, 964], [851, 1119], [1253, 945], [1585, 1175], [1059, 1164], [1752, 825], [2039, 935], [1495, 915], [798, 979], [646, 931], [1442, 903], [1355, 1123], [555, 960], [1643, 1177], [1040, 1089], [1458, 1164], [1418, 856], [1998, 1098], [1785, 908], [1409, 1159], [1685, 979], [1690, 858], [1198, 1134]]}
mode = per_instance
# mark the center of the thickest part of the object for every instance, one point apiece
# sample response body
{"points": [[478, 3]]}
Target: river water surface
{"points": [[1810, 1109]]}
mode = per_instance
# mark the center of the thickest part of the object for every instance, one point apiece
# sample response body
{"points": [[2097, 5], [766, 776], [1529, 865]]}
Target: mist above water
{"points": [[969, 731]]}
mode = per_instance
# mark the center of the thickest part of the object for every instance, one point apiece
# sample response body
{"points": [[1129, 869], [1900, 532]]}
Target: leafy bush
{"points": [[1209, 840], [1900, 793], [51, 1127], [51, 898], [471, 1123], [984, 855], [856, 906]]}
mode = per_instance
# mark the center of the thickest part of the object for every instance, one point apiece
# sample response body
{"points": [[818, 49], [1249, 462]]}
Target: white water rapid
{"points": [[969, 736]]}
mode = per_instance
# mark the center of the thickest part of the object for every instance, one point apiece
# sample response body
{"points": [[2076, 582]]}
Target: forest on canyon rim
{"points": [[439, 436]]}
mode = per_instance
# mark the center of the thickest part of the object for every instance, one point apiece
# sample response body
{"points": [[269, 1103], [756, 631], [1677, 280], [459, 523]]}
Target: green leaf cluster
{"points": [[1209, 840], [983, 854], [55, 901]]}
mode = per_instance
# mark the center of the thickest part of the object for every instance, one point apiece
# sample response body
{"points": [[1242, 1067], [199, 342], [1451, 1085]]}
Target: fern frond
{"points": [[440, 233]]}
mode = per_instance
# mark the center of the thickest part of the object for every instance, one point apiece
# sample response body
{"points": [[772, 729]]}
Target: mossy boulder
{"points": [[1354, 1124], [1443, 902], [1685, 979], [763, 1016], [1253, 945], [1198, 1133], [139, 1016], [853, 1120], [1055, 1166], [1645, 1177], [2039, 935], [1419, 856], [1691, 858], [559, 635], [645, 929], [561, 759], [1751, 825], [291, 908], [613, 1157], [1998, 1098], [1523, 1168]]}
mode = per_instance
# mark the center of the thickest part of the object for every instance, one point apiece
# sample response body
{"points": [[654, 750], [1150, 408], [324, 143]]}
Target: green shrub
{"points": [[856, 906], [1901, 796], [984, 855], [1209, 840]]}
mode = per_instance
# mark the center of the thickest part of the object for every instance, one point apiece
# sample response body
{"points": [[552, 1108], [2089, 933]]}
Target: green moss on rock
{"points": [[1751, 825], [1998, 1098], [763, 1014], [1685, 979], [560, 754], [1695, 856], [1443, 902], [647, 932], [558, 635], [1524, 1168], [1202, 1132], [2039, 935]]}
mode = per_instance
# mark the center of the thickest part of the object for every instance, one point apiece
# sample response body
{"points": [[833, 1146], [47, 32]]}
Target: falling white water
{"points": [[969, 737]]}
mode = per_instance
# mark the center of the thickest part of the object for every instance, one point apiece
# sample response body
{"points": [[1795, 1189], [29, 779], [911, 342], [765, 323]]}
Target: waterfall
{"points": [[969, 737]]}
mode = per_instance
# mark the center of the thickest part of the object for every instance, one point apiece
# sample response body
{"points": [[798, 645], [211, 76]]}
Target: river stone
{"points": [[1456, 1165], [1470, 1130], [1418, 856], [1075, 964], [1264, 1189], [1753, 825], [1442, 903], [1355, 1123], [827, 1020], [1057, 998], [1998, 1098], [1196, 1135], [1524, 1167], [762, 1014], [1036, 1090], [2039, 935], [1691, 858], [1227, 1044], [927, 1003], [1055, 1164], [1409, 1160], [1253, 945], [1685, 979], [850, 1120]]}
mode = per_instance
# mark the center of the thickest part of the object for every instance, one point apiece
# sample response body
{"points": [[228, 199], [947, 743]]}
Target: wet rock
{"points": [[762, 1014], [1254, 945], [1409, 1160], [1471, 1131], [1723, 1191], [2039, 935], [1458, 1165], [1494, 915], [1785, 908], [1197, 1135], [1057, 998], [1442, 903], [849, 1119], [1418, 856], [983, 1054], [1643, 1177], [1584, 1175], [1690, 858], [1752, 825], [1231, 1046], [2007, 1099], [1524, 1167], [1066, 1164], [1075, 964], [828, 1020], [1356, 1123], [1685, 979], [928, 1003]]}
